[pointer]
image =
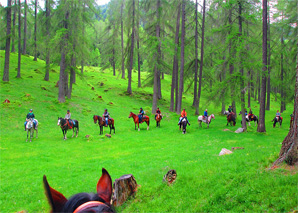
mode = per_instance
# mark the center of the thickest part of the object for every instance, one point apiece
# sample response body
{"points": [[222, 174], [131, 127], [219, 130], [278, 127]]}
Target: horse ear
{"points": [[104, 186], [55, 198]]}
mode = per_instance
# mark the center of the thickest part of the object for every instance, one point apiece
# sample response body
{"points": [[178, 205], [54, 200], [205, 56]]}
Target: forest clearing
{"points": [[83, 75]]}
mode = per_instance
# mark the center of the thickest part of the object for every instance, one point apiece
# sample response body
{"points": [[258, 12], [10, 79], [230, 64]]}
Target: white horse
{"points": [[208, 121], [30, 128]]}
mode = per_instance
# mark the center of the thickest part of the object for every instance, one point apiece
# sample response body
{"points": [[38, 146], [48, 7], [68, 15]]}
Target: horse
{"points": [[102, 122], [230, 118], [208, 121], [158, 119], [82, 202], [250, 118], [182, 125], [277, 120], [68, 125], [30, 128], [136, 120]]}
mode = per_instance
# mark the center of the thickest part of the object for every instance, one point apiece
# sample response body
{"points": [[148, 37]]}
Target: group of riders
{"points": [[106, 116]]}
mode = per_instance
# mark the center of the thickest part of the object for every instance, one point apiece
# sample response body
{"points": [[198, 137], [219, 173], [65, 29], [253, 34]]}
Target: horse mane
{"points": [[76, 200]]}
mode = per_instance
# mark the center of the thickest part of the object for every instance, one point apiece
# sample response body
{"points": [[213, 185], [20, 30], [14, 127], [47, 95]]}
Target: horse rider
{"points": [[106, 117], [67, 118], [278, 115], [158, 112], [183, 115], [250, 114], [141, 114], [230, 109], [30, 115], [205, 115], [292, 119]]}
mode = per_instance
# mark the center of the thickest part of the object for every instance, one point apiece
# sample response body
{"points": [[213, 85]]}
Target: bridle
{"points": [[90, 204]]}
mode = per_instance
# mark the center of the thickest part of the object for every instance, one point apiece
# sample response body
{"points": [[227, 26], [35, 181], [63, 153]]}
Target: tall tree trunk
{"points": [[242, 95], [222, 78], [179, 105], [196, 56], [13, 26], [261, 125], [35, 32], [19, 43], [131, 48], [138, 46], [114, 58], [158, 55], [175, 62], [202, 59], [282, 95], [63, 73], [47, 75], [83, 54], [269, 68], [289, 148], [122, 45], [25, 28], [7, 47]]}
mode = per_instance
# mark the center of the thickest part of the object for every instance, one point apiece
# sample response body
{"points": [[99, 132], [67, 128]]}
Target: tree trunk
{"points": [[25, 28], [222, 77], [63, 74], [289, 148], [138, 46], [196, 57], [13, 26], [35, 31], [47, 75], [19, 43], [129, 91], [7, 47], [179, 105], [156, 67], [269, 56], [282, 95], [202, 58], [261, 125], [175, 63], [122, 46], [83, 55], [242, 95]]}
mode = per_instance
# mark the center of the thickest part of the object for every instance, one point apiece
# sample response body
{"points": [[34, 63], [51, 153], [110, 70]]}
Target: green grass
{"points": [[205, 182]]}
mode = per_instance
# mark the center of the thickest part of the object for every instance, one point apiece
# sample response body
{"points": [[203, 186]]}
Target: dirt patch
{"points": [[290, 169]]}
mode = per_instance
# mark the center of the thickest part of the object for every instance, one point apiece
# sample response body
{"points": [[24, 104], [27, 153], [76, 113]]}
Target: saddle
{"points": [[70, 123]]}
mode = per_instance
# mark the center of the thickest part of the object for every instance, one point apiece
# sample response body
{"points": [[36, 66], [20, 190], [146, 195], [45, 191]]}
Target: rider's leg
{"points": [[25, 125]]}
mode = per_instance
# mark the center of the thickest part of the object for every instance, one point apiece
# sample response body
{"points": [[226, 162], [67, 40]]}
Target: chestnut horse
{"points": [[231, 118], [158, 119], [136, 120], [101, 123], [82, 202]]}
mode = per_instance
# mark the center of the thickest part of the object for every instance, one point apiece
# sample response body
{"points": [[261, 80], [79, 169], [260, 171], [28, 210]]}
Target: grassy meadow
{"points": [[205, 181]]}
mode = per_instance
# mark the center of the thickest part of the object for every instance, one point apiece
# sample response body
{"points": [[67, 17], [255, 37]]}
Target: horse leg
{"points": [[147, 126], [36, 133], [27, 135], [138, 126]]}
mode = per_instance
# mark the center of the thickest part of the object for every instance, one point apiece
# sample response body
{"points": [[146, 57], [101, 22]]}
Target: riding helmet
{"points": [[31, 110]]}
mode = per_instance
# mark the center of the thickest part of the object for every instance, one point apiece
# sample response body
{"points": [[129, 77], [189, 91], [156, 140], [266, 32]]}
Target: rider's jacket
{"points": [[30, 115]]}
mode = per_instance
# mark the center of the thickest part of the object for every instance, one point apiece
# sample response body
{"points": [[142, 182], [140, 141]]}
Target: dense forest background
{"points": [[211, 48]]}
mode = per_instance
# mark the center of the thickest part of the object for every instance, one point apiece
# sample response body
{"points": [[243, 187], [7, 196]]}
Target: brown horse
{"points": [[158, 119], [231, 118], [136, 120], [82, 202], [102, 123]]}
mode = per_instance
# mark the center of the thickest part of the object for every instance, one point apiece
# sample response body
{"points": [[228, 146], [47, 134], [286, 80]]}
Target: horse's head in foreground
{"points": [[82, 202]]}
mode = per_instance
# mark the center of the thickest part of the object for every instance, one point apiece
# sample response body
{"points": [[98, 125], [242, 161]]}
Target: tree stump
{"points": [[124, 187]]}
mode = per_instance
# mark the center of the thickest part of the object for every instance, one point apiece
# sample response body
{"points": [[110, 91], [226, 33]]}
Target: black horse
{"points": [[82, 202], [183, 124], [231, 118], [250, 118], [66, 125], [277, 120]]}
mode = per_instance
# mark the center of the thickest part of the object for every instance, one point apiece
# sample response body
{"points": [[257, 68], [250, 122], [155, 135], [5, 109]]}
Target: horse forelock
{"points": [[81, 198]]}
